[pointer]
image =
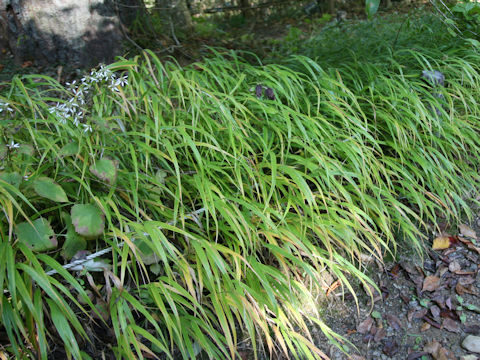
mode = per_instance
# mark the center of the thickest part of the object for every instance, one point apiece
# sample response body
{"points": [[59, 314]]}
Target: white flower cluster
{"points": [[71, 109]]}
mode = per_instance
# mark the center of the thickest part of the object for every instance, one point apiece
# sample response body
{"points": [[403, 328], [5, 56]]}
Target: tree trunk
{"points": [[78, 32], [331, 6], [245, 5], [176, 12], [185, 14]]}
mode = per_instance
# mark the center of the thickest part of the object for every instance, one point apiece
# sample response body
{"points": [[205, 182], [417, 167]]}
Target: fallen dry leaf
{"points": [[394, 322], [380, 335], [333, 287], [432, 347], [446, 313], [435, 310], [390, 347], [431, 283], [365, 326], [371, 291], [470, 245], [425, 326], [441, 243], [460, 289], [467, 231], [448, 303], [439, 299], [418, 314], [466, 280], [451, 325], [444, 354], [395, 270], [26, 64], [462, 272]]}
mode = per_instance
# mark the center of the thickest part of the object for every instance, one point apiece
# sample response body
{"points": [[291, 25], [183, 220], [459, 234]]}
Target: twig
{"points": [[398, 32], [446, 18], [193, 215], [122, 27], [173, 34]]}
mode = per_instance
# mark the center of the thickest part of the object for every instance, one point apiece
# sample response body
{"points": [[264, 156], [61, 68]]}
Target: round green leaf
{"points": [[69, 150], [12, 178], [88, 220], [105, 169], [73, 242], [47, 188], [37, 235]]}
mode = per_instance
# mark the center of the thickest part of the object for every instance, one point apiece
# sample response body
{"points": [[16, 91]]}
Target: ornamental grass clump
{"points": [[195, 209]]}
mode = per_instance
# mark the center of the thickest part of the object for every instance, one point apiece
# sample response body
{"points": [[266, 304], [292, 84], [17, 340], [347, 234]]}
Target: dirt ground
{"points": [[424, 310]]}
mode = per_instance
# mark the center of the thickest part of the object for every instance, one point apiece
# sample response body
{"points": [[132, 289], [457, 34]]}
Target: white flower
{"points": [[77, 92], [5, 106], [87, 128], [72, 101], [122, 81], [13, 145], [113, 87], [25, 178]]}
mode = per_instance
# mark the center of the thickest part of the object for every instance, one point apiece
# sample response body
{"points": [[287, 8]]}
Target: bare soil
{"points": [[424, 310]]}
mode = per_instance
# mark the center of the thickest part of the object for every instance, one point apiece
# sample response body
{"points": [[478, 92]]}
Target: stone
{"points": [[472, 343], [469, 357]]}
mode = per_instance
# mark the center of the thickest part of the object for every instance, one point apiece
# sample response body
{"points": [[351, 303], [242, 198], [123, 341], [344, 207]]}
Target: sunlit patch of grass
{"points": [[343, 162]]}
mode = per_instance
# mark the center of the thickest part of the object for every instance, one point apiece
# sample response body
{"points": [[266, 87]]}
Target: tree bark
{"points": [[185, 13], [245, 5], [78, 32], [176, 12], [331, 6]]}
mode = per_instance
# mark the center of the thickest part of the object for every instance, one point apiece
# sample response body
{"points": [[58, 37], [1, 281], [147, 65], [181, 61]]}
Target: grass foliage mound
{"points": [[221, 194]]}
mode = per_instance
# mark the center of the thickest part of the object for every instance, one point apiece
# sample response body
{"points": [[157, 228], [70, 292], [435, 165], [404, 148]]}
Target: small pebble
{"points": [[472, 343]]}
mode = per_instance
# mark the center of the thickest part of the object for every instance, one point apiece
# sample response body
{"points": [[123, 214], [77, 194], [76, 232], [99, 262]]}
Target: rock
{"points": [[468, 357], [434, 77], [472, 343]]}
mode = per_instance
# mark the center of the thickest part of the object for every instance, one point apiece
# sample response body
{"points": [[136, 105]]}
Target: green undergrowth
{"points": [[224, 210], [374, 41]]}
